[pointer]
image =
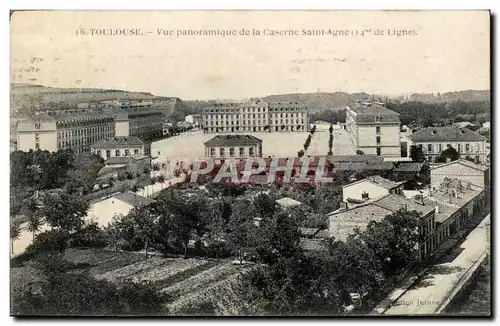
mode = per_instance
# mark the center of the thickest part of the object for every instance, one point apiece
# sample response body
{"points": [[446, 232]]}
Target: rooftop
{"points": [[408, 167], [288, 202], [115, 142], [462, 162], [124, 159], [445, 134], [378, 180], [233, 140]]}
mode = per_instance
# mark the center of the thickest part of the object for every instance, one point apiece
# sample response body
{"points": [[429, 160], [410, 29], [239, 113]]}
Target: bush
{"points": [[49, 241]]}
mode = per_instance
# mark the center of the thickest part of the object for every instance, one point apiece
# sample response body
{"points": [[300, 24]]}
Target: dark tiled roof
{"points": [[354, 158], [444, 134], [409, 167], [124, 159], [233, 140], [133, 199], [116, 142], [370, 108]]}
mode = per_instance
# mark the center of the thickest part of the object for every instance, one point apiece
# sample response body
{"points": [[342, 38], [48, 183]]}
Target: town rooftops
{"points": [[115, 142], [445, 134], [134, 199], [377, 180], [462, 162], [451, 195], [233, 140], [408, 167]]}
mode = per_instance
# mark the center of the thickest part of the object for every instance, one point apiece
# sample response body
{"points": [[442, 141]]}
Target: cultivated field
{"points": [[186, 281]]}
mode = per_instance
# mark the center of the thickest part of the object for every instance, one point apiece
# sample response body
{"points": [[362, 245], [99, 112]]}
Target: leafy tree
{"points": [[300, 153], [15, 230], [331, 129], [394, 239], [278, 237], [64, 211], [448, 154], [416, 153], [360, 152], [241, 228], [264, 205], [51, 241]]}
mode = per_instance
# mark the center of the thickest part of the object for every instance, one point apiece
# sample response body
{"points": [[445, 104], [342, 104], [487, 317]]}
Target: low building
{"points": [[435, 140], [119, 146], [456, 202], [476, 174], [196, 119], [118, 205], [123, 164], [344, 221], [370, 188], [238, 147]]}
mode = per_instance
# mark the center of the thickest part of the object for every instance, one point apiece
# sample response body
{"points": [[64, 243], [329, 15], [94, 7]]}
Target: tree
{"points": [[241, 228], [300, 153], [360, 152], [450, 154], [145, 225], [416, 153], [31, 211], [394, 239], [278, 237], [49, 242], [331, 129], [64, 211], [264, 205]]}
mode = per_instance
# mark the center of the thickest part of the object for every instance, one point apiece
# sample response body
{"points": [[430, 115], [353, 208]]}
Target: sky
{"points": [[450, 52]]}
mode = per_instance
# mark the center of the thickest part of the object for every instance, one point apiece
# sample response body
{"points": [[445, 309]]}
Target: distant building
{"points": [[476, 174], [78, 129], [233, 146], [370, 188], [196, 119], [435, 140], [119, 146], [463, 124], [373, 128], [255, 115], [346, 219]]}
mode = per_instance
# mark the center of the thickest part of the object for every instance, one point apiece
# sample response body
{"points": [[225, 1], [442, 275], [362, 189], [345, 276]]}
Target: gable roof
{"points": [[462, 162], [444, 134], [376, 180], [408, 167], [134, 199], [233, 140], [115, 142]]}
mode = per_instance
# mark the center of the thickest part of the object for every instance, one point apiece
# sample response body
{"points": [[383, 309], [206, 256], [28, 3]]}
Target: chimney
{"points": [[437, 209], [343, 206], [419, 199], [448, 160], [403, 207]]}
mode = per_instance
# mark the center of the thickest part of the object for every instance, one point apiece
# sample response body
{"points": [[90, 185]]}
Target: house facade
{"points": [[237, 146], [119, 146], [370, 188], [434, 140], [476, 174]]}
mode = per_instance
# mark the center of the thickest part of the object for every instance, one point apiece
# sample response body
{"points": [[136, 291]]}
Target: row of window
{"points": [[437, 148], [253, 110], [117, 152], [254, 128], [258, 115], [222, 151], [85, 131]]}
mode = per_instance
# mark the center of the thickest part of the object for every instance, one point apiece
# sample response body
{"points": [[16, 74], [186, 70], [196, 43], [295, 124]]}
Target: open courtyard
{"points": [[277, 144]]}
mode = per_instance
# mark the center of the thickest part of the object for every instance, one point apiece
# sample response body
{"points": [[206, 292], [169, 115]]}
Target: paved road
{"points": [[426, 296]]}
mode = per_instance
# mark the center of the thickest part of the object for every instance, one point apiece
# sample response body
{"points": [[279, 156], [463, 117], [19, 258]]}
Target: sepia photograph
{"points": [[319, 163]]}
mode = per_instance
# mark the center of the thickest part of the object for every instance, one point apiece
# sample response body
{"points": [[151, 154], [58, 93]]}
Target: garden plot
{"points": [[201, 281]]}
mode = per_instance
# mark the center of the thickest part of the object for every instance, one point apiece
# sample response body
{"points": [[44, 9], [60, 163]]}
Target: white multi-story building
{"points": [[255, 115], [373, 128], [435, 140]]}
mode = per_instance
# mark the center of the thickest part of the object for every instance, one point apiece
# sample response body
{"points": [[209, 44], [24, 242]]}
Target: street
{"points": [[428, 294]]}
